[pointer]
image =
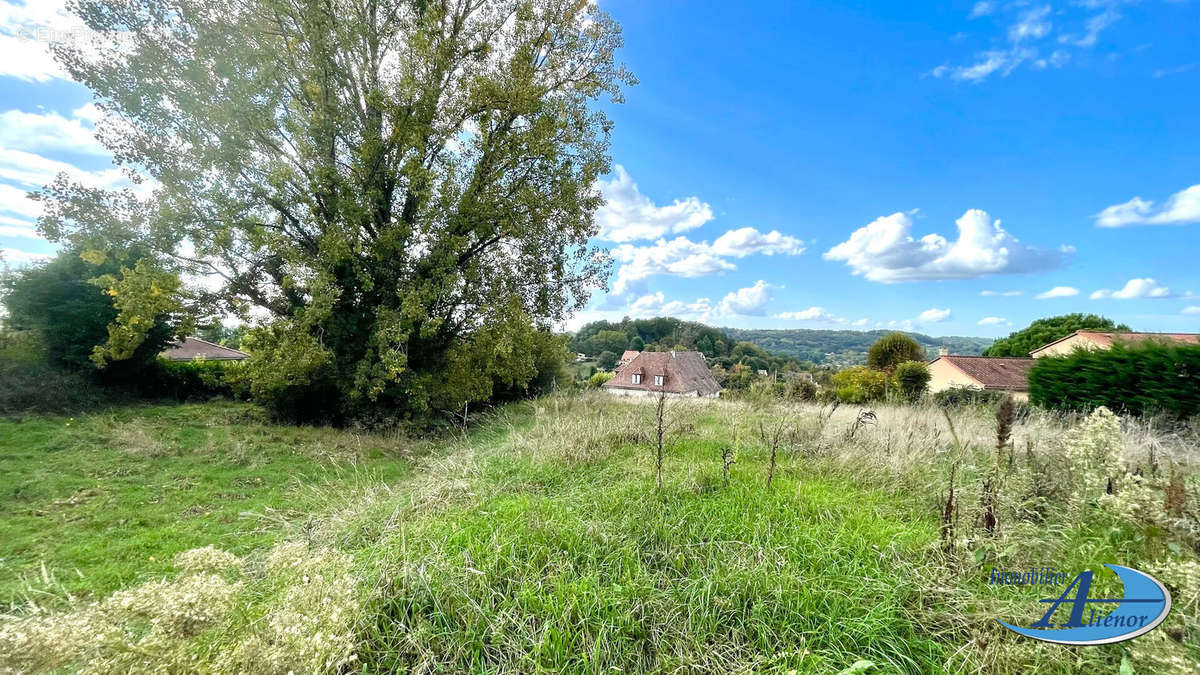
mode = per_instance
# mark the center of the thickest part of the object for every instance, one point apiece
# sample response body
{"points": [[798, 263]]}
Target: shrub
{"points": [[800, 389], [893, 349], [607, 360], [1150, 377], [859, 384], [958, 397], [911, 378], [200, 379], [599, 378]]}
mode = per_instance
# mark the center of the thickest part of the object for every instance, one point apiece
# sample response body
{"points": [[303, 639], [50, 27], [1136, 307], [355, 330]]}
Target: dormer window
{"points": [[658, 380], [637, 378]]}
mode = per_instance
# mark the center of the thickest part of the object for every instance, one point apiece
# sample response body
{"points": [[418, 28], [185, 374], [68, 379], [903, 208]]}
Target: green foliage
{"points": [[406, 193], [859, 384], [1045, 331], [912, 379], [74, 318], [201, 379], [607, 360], [800, 389], [636, 343], [893, 349], [599, 378], [1142, 378], [958, 397]]}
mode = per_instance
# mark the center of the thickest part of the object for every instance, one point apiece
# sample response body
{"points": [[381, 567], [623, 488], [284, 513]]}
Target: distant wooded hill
{"points": [[843, 347]]}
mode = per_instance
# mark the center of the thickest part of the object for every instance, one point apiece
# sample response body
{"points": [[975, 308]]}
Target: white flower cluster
{"points": [[1094, 451]]}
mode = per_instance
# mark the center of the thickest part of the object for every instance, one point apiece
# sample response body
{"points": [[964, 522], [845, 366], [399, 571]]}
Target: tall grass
{"points": [[539, 542]]}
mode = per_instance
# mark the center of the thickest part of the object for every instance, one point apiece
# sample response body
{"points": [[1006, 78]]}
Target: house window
{"points": [[637, 378], [658, 380]]}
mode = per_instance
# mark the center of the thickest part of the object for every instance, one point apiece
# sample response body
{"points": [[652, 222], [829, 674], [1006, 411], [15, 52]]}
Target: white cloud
{"points": [[15, 200], [999, 294], [21, 130], [747, 241], [810, 314], [886, 251], [1182, 207], [1002, 61], [1135, 288], [628, 215], [26, 32], [933, 315], [1193, 309], [1033, 25], [1058, 292], [982, 8], [679, 256], [14, 227], [13, 257], [1092, 29], [993, 321], [748, 301], [656, 304]]}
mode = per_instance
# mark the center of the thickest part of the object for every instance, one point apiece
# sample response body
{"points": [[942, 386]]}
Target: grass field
{"points": [[538, 542]]}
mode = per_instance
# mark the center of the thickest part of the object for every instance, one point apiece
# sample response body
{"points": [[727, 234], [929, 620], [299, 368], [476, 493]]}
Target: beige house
{"points": [[1087, 339], [948, 371]]}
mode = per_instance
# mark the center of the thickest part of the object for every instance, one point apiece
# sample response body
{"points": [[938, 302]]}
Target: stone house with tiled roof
{"points": [[676, 373], [1088, 339]]}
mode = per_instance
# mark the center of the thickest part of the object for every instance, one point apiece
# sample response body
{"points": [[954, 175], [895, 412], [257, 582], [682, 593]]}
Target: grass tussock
{"points": [[542, 541]]}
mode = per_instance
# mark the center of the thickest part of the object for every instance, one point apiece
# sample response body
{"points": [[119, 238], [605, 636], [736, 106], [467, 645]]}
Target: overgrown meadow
{"points": [[537, 540]]}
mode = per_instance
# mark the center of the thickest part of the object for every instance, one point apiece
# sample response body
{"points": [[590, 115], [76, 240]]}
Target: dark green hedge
{"points": [[196, 379], [1136, 379]]}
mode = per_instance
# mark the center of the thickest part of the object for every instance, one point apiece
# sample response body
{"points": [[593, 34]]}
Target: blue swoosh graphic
{"points": [[1145, 595]]}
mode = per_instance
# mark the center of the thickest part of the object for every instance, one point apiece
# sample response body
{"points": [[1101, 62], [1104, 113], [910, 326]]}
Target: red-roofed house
{"points": [[981, 372], [676, 373]]}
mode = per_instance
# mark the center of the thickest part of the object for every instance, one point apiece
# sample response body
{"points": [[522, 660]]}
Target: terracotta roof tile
{"points": [[684, 372], [992, 372]]}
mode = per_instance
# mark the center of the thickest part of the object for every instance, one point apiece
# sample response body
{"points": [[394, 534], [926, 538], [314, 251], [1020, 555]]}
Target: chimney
{"points": [[942, 351]]}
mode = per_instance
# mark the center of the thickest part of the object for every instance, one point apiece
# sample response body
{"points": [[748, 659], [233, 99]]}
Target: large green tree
{"points": [[399, 191], [1045, 331], [893, 349]]}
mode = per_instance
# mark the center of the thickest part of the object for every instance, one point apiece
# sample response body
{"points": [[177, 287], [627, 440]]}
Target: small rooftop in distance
{"points": [[194, 348], [994, 372]]}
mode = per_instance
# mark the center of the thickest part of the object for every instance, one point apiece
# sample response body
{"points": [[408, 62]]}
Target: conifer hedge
{"points": [[1151, 377]]}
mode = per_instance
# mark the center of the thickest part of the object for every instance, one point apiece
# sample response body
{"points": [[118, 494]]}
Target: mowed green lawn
{"points": [[102, 501]]}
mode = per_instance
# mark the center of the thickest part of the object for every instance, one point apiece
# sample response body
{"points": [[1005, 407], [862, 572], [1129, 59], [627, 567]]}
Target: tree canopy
{"points": [[1044, 331], [893, 349], [398, 192]]}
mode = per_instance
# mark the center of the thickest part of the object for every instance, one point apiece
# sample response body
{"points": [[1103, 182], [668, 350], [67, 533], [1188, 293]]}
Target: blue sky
{"points": [[959, 168]]}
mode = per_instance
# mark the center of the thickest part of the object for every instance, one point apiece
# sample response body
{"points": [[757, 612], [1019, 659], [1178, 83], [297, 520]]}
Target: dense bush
{"points": [[608, 360], [911, 378], [200, 379], [599, 378], [957, 397], [1144, 378], [800, 389], [859, 384], [893, 349]]}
